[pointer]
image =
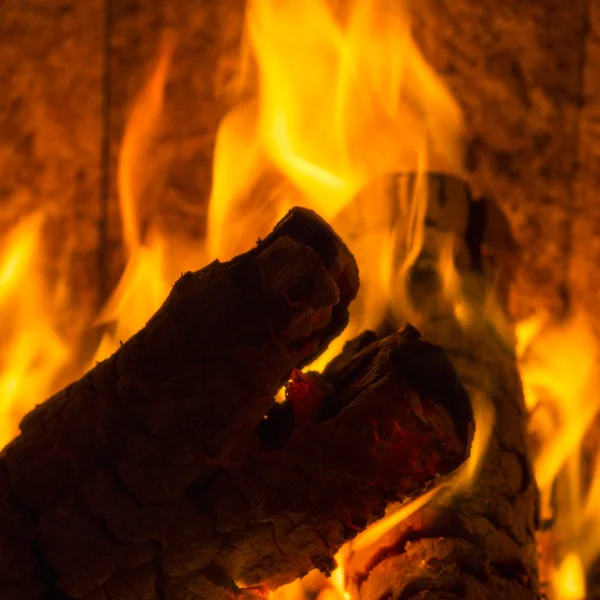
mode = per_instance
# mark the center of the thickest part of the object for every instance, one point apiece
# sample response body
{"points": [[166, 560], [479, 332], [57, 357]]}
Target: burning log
{"points": [[381, 432], [474, 540], [157, 476]]}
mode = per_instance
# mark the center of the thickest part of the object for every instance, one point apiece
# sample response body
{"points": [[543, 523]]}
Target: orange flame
{"points": [[561, 378], [329, 104], [340, 103], [33, 351], [144, 283]]}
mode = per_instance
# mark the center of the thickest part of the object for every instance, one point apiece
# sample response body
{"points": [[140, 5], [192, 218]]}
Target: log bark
{"points": [[227, 335], [474, 541], [156, 475]]}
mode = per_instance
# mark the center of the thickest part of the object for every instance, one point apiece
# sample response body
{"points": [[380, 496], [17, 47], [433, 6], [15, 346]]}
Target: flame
{"points": [[561, 379], [38, 356], [560, 383], [338, 104], [569, 579], [144, 283], [329, 104], [33, 351]]}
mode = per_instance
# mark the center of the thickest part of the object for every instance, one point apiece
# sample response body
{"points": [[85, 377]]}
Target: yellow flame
{"points": [[37, 357], [559, 369], [397, 515], [33, 352], [329, 105], [144, 283], [340, 102], [561, 379], [485, 416], [569, 579], [339, 584], [142, 128]]}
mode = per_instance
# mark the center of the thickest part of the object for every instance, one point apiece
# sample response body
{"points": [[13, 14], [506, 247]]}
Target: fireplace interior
{"points": [[453, 146]]}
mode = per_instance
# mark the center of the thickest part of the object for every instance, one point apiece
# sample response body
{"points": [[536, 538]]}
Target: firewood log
{"points": [[157, 475], [476, 542], [382, 433]]}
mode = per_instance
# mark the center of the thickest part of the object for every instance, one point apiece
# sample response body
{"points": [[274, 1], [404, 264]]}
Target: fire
{"points": [[39, 358], [569, 579], [33, 351], [144, 284], [329, 104], [338, 107], [561, 390], [325, 115], [561, 380]]}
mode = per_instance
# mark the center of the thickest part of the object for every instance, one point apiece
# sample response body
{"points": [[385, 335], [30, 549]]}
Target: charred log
{"points": [[475, 541], [380, 433], [156, 476], [174, 407]]}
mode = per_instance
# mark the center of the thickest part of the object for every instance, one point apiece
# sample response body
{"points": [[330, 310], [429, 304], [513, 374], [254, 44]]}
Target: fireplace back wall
{"points": [[524, 73]]}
